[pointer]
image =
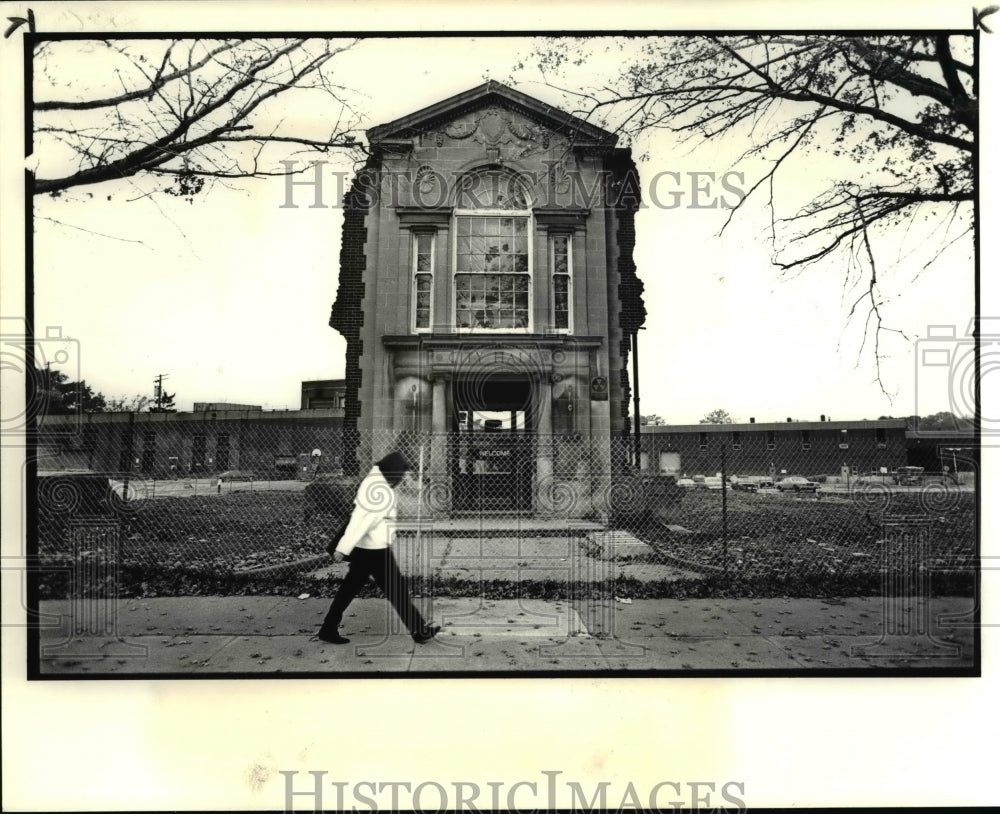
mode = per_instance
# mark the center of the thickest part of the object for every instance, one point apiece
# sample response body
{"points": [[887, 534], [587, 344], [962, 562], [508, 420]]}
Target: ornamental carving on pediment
{"points": [[499, 131], [460, 130]]}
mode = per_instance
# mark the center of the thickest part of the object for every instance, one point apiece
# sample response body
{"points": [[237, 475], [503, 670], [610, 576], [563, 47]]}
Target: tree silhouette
{"points": [[901, 110], [717, 417], [62, 396], [127, 404], [193, 110]]}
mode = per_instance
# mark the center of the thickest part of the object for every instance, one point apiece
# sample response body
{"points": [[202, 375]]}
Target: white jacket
{"points": [[373, 519]]}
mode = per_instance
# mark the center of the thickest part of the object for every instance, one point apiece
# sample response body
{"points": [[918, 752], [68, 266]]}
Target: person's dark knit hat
{"points": [[393, 466]]}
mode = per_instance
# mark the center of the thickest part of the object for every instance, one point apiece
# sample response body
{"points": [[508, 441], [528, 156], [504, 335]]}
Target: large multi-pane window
{"points": [[423, 280], [492, 256], [562, 267], [492, 274]]}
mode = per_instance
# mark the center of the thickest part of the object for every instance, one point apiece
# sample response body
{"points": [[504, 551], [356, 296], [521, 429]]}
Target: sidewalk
{"points": [[203, 636]]}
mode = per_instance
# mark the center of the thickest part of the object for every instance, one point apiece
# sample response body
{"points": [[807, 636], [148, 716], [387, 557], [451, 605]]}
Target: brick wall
{"points": [[346, 315], [817, 453], [248, 441]]}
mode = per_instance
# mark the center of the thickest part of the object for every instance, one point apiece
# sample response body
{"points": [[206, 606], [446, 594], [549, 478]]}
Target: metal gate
{"points": [[492, 471]]}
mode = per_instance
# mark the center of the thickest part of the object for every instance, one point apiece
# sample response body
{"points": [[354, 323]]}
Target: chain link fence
{"points": [[512, 513], [797, 526]]}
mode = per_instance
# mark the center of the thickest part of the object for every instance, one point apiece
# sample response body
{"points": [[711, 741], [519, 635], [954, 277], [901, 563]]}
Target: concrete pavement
{"points": [[268, 635], [480, 555]]}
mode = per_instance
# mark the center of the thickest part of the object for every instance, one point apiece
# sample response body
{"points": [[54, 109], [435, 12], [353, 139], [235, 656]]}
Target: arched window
{"points": [[492, 263]]}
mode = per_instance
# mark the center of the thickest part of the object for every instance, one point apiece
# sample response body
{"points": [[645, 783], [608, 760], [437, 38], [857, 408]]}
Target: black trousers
{"points": [[380, 564]]}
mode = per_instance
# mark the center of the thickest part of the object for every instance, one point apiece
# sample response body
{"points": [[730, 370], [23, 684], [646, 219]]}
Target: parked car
{"points": [[796, 483], [908, 475], [713, 483], [687, 483], [765, 483], [745, 485]]}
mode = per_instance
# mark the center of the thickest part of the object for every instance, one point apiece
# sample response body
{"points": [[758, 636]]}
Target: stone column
{"points": [[543, 454], [402, 411], [437, 465], [438, 407], [600, 433]]}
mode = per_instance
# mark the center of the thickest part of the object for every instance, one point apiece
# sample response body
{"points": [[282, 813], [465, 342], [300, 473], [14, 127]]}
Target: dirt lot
{"points": [[770, 534]]}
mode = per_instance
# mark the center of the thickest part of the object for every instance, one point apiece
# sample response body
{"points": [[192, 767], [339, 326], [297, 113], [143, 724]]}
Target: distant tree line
{"points": [[63, 396]]}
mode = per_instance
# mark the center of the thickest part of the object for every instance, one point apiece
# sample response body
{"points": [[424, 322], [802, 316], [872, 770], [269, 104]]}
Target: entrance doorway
{"points": [[492, 456]]}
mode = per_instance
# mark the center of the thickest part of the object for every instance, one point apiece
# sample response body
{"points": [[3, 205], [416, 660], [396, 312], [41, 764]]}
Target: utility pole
{"points": [[158, 389]]}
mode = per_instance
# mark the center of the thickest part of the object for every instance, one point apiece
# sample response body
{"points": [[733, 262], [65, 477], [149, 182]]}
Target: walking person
{"points": [[366, 543]]}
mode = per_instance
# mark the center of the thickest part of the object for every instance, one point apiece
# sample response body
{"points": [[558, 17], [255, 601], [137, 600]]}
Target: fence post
{"points": [[725, 517], [130, 449]]}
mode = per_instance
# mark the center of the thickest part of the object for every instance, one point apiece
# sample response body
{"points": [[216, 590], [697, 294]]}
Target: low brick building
{"points": [[809, 448], [273, 444]]}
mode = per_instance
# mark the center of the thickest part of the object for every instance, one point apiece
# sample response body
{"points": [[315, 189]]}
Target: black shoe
{"points": [[427, 634], [334, 638]]}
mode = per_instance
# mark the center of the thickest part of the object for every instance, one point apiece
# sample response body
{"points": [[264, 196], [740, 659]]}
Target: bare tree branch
{"points": [[186, 107], [900, 112], [155, 85], [92, 232]]}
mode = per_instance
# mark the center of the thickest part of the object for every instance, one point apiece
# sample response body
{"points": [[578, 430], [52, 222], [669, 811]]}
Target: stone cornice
{"points": [[489, 341], [416, 216], [549, 217]]}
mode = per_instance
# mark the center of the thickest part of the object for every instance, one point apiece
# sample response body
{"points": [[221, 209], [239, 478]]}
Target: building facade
{"points": [[488, 297]]}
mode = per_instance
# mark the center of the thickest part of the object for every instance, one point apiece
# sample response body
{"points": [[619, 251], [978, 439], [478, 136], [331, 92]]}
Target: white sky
{"points": [[230, 295]]}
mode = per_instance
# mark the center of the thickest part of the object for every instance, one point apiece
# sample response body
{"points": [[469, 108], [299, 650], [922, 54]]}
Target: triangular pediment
{"points": [[488, 109]]}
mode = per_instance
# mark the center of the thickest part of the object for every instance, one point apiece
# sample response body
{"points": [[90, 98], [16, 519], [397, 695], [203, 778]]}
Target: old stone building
{"points": [[488, 297]]}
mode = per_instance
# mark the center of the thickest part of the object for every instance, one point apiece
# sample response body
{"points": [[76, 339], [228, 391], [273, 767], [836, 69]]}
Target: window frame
{"points": [[199, 451], [527, 215], [223, 447], [415, 236], [568, 234], [148, 456]]}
